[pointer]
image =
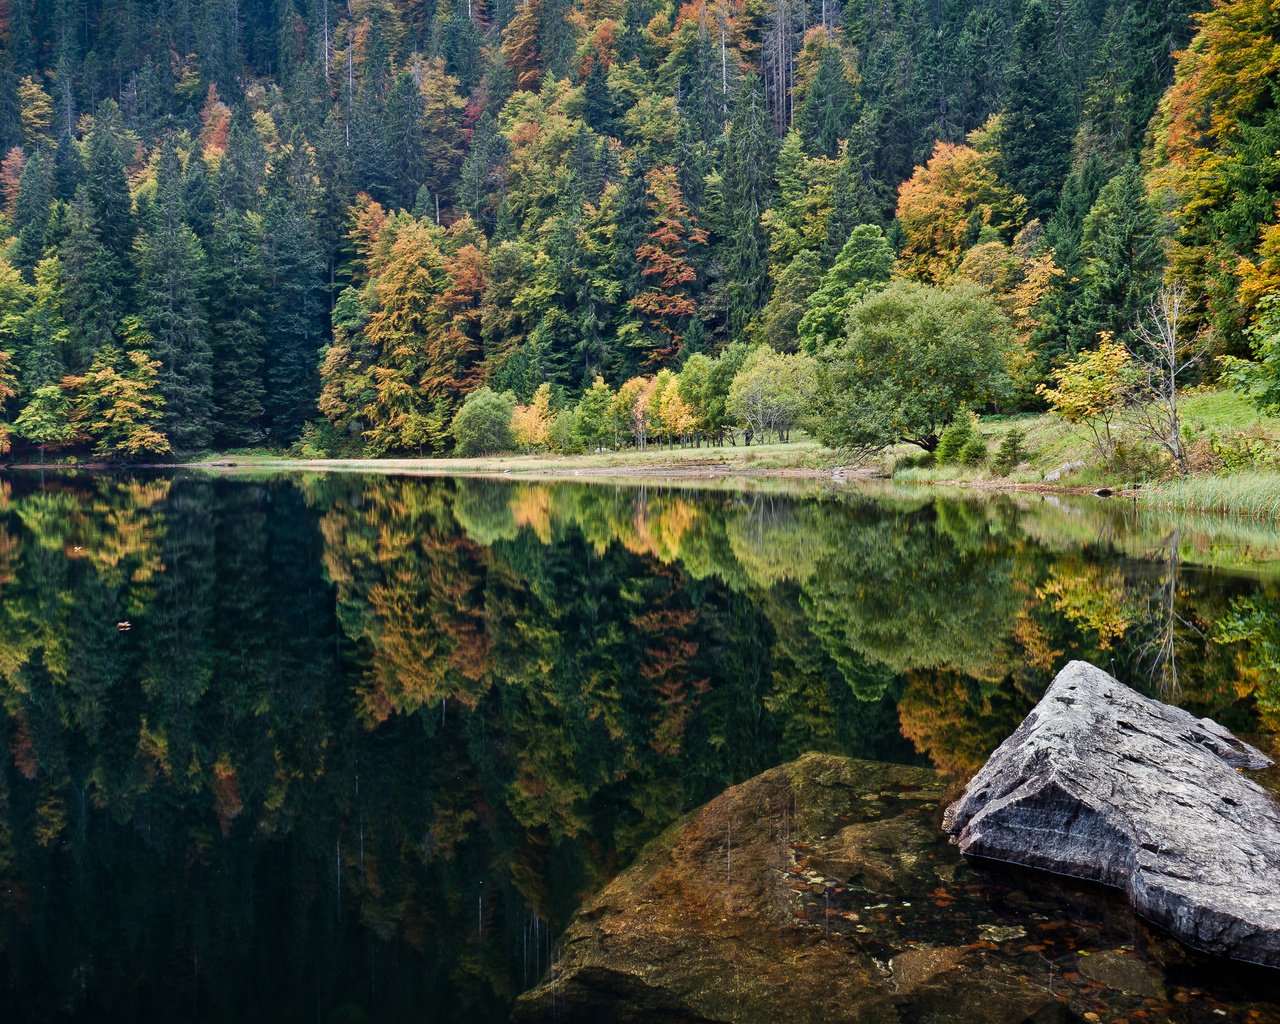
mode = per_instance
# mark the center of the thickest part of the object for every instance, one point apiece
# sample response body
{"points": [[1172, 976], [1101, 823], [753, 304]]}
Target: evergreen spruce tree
{"points": [[237, 339], [406, 141], [748, 170], [92, 304], [1122, 254], [31, 218], [171, 269], [295, 316], [106, 184], [825, 116], [1038, 121]]}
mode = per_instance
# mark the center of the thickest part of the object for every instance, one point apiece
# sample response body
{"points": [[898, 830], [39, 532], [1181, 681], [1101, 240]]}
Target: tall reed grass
{"points": [[1255, 494]]}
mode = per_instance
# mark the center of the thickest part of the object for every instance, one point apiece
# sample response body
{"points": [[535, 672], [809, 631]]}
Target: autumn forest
{"points": [[321, 227]]}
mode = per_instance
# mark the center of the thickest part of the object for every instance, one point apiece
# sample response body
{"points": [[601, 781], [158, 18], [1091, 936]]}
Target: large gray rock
{"points": [[1104, 784]]}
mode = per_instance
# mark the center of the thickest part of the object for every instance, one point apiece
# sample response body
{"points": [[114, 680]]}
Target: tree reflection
{"points": [[368, 739]]}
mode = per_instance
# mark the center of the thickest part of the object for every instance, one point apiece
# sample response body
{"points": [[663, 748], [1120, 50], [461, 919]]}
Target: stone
{"points": [[1055, 475], [1124, 973], [1103, 784], [711, 924]]}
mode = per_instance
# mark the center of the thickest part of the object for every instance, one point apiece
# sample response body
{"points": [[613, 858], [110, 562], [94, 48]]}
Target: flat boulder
{"points": [[1104, 784]]}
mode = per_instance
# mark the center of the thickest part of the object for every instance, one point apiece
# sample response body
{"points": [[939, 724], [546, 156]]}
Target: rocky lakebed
{"points": [[829, 889]]}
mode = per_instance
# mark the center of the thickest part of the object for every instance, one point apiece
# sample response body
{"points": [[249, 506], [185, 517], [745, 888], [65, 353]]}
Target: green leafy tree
{"points": [[915, 357], [482, 425], [771, 392], [1092, 390], [595, 418], [45, 420]]}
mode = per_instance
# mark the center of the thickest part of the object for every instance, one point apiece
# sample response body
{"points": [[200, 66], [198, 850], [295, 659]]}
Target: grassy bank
{"points": [[801, 458], [1237, 453]]}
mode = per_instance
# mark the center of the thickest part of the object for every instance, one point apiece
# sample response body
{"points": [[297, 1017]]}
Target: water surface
{"points": [[341, 748]]}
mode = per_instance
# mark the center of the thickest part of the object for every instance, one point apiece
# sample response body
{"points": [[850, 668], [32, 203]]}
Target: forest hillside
{"points": [[298, 222]]}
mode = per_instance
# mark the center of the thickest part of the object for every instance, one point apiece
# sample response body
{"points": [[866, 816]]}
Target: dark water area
{"points": [[355, 748]]}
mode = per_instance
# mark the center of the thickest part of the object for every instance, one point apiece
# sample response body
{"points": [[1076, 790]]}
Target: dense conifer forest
{"points": [[325, 225]]}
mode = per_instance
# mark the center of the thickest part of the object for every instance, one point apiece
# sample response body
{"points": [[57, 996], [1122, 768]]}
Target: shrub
{"points": [[1136, 461], [974, 452], [1245, 450], [1012, 451], [954, 437], [916, 460]]}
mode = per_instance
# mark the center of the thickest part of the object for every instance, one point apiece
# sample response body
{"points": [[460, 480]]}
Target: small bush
{"points": [[1136, 461], [974, 452], [322, 440], [1012, 451], [955, 436], [1245, 450], [916, 460]]}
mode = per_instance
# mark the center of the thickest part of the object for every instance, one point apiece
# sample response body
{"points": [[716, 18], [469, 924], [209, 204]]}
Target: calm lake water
{"points": [[346, 748]]}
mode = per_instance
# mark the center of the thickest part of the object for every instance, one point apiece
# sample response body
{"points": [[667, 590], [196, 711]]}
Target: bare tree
{"points": [[1159, 367]]}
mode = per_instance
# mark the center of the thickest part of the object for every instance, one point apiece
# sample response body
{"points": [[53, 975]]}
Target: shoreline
{"points": [[799, 467], [677, 471]]}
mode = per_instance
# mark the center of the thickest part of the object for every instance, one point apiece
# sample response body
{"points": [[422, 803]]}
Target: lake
{"points": [[347, 748]]}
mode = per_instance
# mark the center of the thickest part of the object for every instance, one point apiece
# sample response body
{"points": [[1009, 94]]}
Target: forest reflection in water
{"points": [[342, 747]]}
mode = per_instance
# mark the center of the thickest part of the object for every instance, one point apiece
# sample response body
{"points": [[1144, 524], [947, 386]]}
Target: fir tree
{"points": [[748, 168], [172, 280], [237, 339], [1038, 120]]}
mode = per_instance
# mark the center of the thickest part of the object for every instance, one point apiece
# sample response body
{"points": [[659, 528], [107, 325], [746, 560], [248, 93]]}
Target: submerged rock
{"points": [[1101, 783], [771, 904]]}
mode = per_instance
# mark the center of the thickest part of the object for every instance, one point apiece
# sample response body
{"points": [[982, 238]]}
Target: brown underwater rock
{"points": [[744, 911]]}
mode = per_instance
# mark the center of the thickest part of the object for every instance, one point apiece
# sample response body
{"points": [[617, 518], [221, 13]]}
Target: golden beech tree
{"points": [[520, 45], [1212, 132], [421, 339], [631, 407], [952, 202], [117, 403], [8, 391], [531, 424]]}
